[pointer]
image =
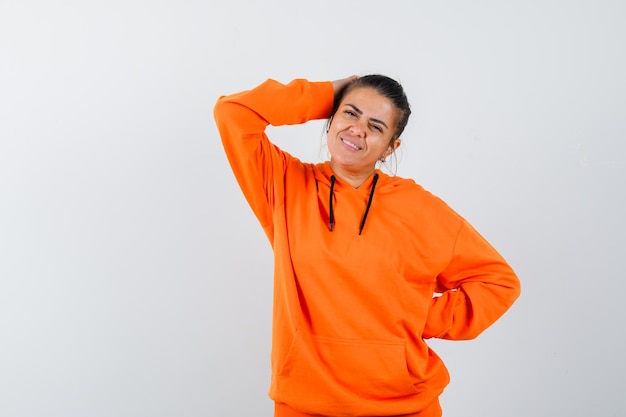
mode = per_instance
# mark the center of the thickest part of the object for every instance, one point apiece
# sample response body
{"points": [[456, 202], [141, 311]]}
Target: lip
{"points": [[351, 145]]}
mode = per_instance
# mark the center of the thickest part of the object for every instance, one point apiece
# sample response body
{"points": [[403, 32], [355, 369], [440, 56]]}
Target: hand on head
{"points": [[338, 85]]}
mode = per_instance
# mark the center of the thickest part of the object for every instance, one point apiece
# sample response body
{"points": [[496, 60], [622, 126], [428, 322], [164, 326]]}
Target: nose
{"points": [[357, 129]]}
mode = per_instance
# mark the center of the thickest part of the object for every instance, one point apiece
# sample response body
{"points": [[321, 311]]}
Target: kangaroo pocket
{"points": [[319, 372]]}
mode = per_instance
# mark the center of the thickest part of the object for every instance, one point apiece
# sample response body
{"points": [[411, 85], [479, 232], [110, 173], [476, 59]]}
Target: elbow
{"points": [[219, 109]]}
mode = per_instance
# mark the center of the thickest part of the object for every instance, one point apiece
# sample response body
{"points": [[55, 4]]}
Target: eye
{"points": [[377, 128], [350, 113]]}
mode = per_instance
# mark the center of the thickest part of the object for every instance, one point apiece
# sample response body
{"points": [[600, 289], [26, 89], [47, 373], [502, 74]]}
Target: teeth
{"points": [[350, 144]]}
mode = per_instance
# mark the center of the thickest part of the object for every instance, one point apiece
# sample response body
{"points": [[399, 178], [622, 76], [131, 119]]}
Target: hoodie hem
{"points": [[283, 410]]}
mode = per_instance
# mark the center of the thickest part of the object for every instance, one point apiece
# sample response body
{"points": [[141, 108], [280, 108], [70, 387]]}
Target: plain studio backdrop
{"points": [[135, 280]]}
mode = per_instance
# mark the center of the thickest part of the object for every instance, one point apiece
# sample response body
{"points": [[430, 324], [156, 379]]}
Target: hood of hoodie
{"points": [[377, 183]]}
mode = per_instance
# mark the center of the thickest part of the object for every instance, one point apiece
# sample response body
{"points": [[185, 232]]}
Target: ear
{"points": [[392, 147]]}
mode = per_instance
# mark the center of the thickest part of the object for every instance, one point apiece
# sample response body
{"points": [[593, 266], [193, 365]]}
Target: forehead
{"points": [[371, 103]]}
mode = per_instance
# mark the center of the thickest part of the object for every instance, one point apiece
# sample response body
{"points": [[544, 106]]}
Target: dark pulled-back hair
{"points": [[386, 87]]}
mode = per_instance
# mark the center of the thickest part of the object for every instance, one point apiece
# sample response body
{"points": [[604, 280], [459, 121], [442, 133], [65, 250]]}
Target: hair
{"points": [[386, 87]]}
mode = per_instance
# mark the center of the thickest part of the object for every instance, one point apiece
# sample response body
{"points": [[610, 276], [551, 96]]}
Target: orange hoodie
{"points": [[353, 305]]}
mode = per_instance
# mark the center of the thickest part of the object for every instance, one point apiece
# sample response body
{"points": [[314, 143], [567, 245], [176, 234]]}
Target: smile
{"points": [[350, 144]]}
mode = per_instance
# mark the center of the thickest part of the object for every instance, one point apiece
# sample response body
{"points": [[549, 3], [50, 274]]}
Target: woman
{"points": [[367, 265]]}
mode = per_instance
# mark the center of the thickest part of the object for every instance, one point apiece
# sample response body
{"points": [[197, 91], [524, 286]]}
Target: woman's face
{"points": [[361, 130]]}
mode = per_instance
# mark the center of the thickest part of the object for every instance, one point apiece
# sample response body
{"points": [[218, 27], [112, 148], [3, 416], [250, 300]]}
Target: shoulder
{"points": [[412, 197]]}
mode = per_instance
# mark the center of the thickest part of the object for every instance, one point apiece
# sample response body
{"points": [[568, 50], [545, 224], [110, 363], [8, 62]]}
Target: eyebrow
{"points": [[360, 112]]}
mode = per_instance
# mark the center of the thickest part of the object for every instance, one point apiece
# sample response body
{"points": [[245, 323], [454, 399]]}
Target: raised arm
{"points": [[242, 119]]}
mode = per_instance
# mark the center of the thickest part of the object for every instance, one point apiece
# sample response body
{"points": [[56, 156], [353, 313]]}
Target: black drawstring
{"points": [[369, 203], [331, 216]]}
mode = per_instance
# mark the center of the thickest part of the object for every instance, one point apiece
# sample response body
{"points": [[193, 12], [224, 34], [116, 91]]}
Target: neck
{"points": [[353, 177]]}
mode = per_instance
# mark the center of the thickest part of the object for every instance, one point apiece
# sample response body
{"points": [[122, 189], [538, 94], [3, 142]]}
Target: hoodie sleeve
{"points": [[477, 287], [242, 119]]}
